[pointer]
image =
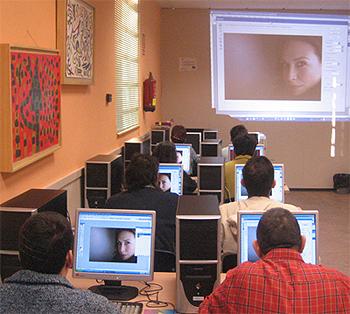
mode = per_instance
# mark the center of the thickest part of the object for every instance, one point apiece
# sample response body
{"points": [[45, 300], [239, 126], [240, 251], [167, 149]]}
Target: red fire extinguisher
{"points": [[149, 94]]}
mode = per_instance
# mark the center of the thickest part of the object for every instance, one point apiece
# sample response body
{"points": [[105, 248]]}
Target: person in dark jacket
{"points": [[166, 153], [45, 242], [142, 192]]}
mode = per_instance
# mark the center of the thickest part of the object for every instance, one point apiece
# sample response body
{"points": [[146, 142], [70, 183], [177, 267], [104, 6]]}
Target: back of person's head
{"points": [[238, 130], [178, 134], [244, 145], [278, 228], [142, 171], [165, 152], [44, 241], [258, 176]]}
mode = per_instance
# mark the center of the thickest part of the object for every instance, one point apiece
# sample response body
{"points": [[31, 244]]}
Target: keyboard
{"points": [[129, 307]]}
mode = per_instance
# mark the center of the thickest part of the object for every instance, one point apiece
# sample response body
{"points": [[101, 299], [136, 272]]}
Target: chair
{"points": [[229, 261], [164, 261]]}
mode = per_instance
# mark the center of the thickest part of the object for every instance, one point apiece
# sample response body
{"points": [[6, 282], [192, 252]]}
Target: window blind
{"points": [[126, 49]]}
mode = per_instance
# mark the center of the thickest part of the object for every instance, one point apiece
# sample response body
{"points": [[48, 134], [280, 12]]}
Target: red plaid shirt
{"points": [[281, 282]]}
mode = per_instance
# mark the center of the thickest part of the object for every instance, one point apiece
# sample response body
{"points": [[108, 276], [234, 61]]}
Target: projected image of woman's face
{"points": [[125, 245], [301, 67]]}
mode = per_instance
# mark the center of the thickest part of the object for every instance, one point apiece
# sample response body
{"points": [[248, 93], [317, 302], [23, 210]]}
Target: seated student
{"points": [[165, 152], [142, 192], [244, 148], [280, 281], [178, 135], [237, 130], [258, 178], [45, 242]]}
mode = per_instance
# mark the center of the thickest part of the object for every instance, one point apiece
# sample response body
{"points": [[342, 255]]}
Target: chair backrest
{"points": [[164, 261]]}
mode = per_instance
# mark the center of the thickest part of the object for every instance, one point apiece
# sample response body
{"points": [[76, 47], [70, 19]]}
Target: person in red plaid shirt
{"points": [[280, 282]]}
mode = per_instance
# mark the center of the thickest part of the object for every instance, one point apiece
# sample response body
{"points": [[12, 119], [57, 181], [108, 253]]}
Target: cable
{"points": [[151, 291]]}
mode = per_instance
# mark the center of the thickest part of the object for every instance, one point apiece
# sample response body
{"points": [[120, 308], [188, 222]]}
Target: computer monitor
{"points": [[248, 221], [183, 152], [277, 193], [114, 245], [259, 151], [194, 138], [174, 174]]}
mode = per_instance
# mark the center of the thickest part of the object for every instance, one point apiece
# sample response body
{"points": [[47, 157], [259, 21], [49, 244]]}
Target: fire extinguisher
{"points": [[149, 94]]}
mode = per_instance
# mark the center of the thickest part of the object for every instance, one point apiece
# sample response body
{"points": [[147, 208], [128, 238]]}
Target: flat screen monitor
{"points": [[114, 245], [170, 177], [277, 193], [183, 152], [247, 225], [259, 151], [194, 138]]}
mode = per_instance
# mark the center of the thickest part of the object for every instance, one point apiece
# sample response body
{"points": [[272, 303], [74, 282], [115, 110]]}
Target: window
{"points": [[126, 49]]}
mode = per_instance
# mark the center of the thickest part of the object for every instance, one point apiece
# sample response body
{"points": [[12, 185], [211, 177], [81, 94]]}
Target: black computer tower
{"points": [[210, 172], [104, 175], [197, 250], [135, 145], [41, 199], [211, 148], [11, 220], [158, 135]]}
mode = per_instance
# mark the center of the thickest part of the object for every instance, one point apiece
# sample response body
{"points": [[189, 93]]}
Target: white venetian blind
{"points": [[126, 49]]}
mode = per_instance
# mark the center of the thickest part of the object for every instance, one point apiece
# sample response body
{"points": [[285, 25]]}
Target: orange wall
{"points": [[88, 124]]}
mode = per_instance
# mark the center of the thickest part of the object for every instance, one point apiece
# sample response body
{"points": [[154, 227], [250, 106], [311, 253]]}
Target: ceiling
{"points": [[257, 4]]}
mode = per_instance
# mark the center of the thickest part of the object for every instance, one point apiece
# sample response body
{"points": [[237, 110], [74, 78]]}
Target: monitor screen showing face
{"points": [[183, 152], [277, 192], [170, 178], [114, 244], [248, 222]]}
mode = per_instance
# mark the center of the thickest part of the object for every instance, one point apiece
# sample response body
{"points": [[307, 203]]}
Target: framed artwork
{"points": [[75, 41], [30, 105]]}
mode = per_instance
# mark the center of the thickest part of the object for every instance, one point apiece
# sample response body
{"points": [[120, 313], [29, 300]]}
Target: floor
{"points": [[334, 225]]}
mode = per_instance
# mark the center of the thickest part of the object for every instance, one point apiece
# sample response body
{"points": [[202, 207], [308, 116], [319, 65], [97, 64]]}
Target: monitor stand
{"points": [[114, 290]]}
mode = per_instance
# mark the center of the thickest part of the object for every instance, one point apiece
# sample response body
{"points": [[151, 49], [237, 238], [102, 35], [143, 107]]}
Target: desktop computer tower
{"points": [[135, 145], [197, 250], [41, 200], [210, 172], [11, 220], [211, 148], [104, 175], [158, 135], [209, 134]]}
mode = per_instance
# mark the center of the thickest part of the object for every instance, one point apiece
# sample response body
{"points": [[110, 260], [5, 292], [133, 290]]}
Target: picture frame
{"points": [[75, 41], [30, 105]]}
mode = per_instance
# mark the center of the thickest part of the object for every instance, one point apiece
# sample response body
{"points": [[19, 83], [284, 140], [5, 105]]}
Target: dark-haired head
{"points": [[44, 241], [178, 134], [258, 176], [278, 228], [165, 152], [142, 171], [244, 145], [238, 130]]}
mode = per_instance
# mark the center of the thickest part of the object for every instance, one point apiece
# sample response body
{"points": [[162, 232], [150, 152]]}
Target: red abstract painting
{"points": [[36, 98]]}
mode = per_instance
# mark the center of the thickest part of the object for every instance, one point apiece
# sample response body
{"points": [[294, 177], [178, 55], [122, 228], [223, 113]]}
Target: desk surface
{"points": [[166, 280]]}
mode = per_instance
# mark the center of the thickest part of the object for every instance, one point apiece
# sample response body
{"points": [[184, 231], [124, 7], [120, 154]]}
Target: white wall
{"points": [[304, 148]]}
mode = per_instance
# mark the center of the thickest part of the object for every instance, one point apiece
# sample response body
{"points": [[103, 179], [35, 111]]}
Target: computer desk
{"points": [[166, 280]]}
